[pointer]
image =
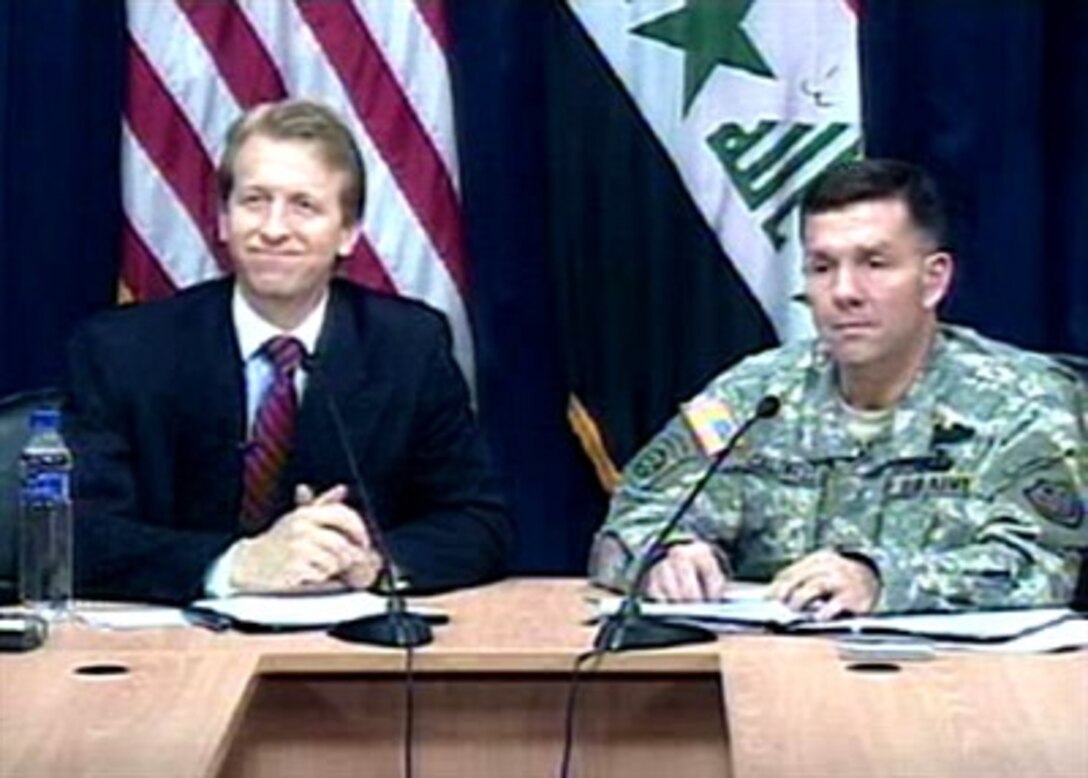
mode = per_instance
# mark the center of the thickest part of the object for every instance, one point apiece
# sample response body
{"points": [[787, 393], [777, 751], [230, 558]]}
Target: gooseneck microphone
{"points": [[396, 626], [629, 628]]}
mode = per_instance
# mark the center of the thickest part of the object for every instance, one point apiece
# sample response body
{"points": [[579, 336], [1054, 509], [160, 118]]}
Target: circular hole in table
{"points": [[875, 668], [102, 670]]}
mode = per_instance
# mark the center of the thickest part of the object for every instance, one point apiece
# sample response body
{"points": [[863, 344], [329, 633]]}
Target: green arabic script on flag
{"points": [[684, 132], [751, 99]]}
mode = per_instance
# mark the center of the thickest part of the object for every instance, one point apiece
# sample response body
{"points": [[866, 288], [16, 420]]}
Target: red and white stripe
{"points": [[194, 66]]}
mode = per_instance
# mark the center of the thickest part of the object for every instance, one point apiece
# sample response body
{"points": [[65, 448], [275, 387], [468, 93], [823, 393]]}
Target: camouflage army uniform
{"points": [[975, 496]]}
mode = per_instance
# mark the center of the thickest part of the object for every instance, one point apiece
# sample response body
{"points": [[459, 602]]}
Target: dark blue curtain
{"points": [[60, 98], [498, 77], [993, 97]]}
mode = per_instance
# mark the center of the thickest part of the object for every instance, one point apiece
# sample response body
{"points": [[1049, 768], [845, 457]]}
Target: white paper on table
{"points": [[1064, 635], [1016, 630], [989, 626], [132, 617], [300, 611], [746, 605]]}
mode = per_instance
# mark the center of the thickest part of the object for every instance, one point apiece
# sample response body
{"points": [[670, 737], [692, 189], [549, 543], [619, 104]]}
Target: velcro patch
{"points": [[666, 451], [1056, 501], [711, 422]]}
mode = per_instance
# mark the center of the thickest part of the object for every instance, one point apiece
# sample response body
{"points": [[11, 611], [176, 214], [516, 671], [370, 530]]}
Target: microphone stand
{"points": [[629, 627], [396, 627]]}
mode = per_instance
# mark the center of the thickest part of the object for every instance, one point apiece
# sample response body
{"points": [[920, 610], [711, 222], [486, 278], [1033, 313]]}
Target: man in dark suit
{"points": [[207, 428]]}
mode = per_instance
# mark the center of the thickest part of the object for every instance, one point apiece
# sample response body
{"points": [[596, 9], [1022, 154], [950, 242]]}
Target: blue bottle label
{"points": [[47, 487]]}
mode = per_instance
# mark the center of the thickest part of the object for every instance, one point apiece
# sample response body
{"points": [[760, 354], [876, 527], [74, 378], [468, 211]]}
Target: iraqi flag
{"points": [[682, 135]]}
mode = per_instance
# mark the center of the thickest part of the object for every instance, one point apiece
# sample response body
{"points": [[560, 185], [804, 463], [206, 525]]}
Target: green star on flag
{"points": [[710, 33], [702, 204]]}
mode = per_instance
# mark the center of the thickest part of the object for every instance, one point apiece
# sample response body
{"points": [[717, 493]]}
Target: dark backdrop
{"points": [[993, 97]]}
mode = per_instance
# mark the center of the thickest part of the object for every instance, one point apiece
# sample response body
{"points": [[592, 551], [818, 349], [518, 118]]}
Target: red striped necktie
{"points": [[273, 433]]}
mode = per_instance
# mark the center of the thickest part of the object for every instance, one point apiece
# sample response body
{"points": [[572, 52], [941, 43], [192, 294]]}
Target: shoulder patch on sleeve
{"points": [[665, 451], [1056, 501], [710, 421]]}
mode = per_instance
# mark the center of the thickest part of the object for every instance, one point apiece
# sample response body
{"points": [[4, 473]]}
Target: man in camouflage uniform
{"points": [[912, 466]]}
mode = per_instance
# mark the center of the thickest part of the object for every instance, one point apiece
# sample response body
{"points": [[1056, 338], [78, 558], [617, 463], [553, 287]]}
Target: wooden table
{"points": [[490, 696]]}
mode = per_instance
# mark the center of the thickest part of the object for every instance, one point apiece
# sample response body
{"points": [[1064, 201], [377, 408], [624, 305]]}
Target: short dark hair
{"points": [[881, 179], [301, 120]]}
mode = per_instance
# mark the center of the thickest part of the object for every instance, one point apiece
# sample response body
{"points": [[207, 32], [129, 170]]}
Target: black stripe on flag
{"points": [[651, 307]]}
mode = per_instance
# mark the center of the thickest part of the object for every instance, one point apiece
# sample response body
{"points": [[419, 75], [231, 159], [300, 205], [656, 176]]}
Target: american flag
{"points": [[194, 66]]}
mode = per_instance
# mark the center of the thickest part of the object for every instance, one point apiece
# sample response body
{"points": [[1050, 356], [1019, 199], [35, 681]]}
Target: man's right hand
{"points": [[688, 572], [308, 549]]}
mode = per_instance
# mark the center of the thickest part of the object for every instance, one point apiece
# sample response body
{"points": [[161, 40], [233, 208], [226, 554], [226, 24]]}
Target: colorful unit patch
{"points": [[711, 423]]}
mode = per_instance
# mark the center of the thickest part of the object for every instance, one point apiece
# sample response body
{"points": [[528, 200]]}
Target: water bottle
{"points": [[45, 526]]}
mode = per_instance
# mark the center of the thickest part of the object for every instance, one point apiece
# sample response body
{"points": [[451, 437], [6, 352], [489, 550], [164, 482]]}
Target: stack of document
{"points": [[748, 606], [1017, 630]]}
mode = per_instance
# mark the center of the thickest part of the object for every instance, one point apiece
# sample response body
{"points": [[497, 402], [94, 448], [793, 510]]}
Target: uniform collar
{"points": [[828, 437]]}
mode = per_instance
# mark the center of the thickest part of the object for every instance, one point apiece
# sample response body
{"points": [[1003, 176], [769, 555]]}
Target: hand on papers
{"points": [[823, 583], [688, 572], [828, 585], [320, 545]]}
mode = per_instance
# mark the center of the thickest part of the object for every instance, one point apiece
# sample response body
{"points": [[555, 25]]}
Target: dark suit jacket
{"points": [[156, 421]]}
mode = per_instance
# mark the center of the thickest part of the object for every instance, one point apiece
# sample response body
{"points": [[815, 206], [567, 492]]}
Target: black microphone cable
{"points": [[389, 569], [627, 628], [409, 709], [572, 703], [405, 632]]}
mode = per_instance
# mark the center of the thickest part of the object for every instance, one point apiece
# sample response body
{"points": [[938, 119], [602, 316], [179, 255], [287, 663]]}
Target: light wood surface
{"points": [[170, 713], [483, 725], [490, 694], [796, 709]]}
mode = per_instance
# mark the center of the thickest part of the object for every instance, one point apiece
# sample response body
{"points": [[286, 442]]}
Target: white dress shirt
{"points": [[252, 332]]}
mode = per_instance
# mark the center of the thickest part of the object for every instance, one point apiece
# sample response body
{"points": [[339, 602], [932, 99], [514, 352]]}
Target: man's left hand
{"points": [[828, 585], [363, 573]]}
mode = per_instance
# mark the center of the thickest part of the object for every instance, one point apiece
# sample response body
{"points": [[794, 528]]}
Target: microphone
{"points": [[629, 628], [396, 627]]}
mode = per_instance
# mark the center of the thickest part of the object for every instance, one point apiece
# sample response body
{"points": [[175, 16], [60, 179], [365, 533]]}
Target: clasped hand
{"points": [[824, 582], [321, 545]]}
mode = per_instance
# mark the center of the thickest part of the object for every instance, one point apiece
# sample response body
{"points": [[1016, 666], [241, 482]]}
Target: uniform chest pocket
{"points": [[779, 498], [929, 510], [775, 489]]}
